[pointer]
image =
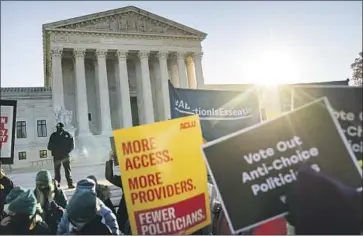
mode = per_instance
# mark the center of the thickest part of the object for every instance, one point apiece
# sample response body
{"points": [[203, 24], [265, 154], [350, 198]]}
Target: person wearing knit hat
{"points": [[104, 193], [25, 203], [14, 193], [52, 199], [61, 143], [23, 218], [82, 211], [86, 184], [83, 207]]}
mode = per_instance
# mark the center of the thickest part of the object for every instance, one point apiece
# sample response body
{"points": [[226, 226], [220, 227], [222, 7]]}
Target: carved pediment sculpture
{"points": [[129, 22], [126, 20]]}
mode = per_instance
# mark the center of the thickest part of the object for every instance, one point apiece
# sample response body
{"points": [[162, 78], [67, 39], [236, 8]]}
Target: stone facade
{"points": [[110, 70], [34, 112]]}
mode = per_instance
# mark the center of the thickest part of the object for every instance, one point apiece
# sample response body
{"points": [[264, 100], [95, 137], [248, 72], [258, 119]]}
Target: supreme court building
{"points": [[112, 68]]}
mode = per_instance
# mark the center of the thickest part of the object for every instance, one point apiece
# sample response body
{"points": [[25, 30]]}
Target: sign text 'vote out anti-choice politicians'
{"points": [[261, 172], [164, 193]]}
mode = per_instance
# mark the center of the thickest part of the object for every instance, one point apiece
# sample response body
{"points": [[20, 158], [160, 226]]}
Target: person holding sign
{"points": [[122, 216], [319, 204]]}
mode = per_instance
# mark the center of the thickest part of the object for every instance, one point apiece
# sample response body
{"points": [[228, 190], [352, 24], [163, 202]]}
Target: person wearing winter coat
{"points": [[82, 216], [61, 143], [13, 194], [104, 193], [76, 207], [22, 217], [6, 185], [52, 199], [122, 215]]}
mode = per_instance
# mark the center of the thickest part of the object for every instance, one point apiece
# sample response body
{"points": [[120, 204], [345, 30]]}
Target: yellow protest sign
{"points": [[164, 176]]}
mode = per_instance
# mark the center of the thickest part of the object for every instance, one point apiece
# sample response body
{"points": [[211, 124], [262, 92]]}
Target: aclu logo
{"points": [[188, 125]]}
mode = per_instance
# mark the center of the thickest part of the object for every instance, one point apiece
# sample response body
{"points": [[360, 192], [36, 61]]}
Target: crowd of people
{"points": [[45, 210], [317, 204]]}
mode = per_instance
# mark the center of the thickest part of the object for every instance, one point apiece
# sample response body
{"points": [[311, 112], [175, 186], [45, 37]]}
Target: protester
{"points": [[61, 144], [104, 193], [6, 185], [83, 202], [14, 193], [122, 216], [319, 204], [22, 217], [52, 199], [81, 216]]}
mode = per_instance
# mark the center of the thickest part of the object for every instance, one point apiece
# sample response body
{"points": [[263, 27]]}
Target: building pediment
{"points": [[126, 20]]}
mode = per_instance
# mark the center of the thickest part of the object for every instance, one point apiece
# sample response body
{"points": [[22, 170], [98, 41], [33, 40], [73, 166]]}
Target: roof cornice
{"points": [[94, 16]]}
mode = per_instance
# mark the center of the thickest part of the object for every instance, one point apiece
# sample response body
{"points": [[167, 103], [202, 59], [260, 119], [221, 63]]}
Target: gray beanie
{"points": [[86, 184], [44, 178], [82, 206]]}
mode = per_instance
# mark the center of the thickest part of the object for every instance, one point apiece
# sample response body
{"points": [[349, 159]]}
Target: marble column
{"points": [[173, 65], [181, 70], [191, 72], [146, 87], [57, 79], [197, 57], [162, 56], [124, 90], [106, 128], [81, 92]]}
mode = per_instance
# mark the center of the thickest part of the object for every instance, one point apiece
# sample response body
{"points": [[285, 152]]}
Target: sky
{"points": [[247, 42]]}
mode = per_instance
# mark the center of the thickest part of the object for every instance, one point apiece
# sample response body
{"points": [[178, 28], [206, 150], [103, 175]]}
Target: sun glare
{"points": [[272, 67]]}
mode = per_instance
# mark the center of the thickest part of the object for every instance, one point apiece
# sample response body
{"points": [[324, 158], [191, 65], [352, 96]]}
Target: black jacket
{"points": [[122, 216], [53, 213], [60, 144], [6, 185], [95, 227], [21, 225]]}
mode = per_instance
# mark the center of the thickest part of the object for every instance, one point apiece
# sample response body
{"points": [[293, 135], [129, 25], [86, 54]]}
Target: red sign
{"points": [[3, 130], [172, 219]]}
